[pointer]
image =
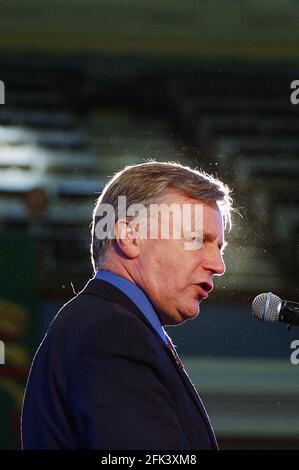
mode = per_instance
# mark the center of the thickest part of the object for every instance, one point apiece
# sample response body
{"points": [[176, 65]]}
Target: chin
{"points": [[181, 314], [190, 312]]}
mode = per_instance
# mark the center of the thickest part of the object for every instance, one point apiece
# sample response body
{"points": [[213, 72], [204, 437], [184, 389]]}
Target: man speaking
{"points": [[107, 375]]}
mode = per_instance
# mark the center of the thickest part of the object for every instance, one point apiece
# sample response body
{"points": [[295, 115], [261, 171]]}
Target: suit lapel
{"points": [[196, 398]]}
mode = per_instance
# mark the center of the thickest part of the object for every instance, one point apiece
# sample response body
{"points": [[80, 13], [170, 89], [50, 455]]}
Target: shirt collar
{"points": [[137, 296]]}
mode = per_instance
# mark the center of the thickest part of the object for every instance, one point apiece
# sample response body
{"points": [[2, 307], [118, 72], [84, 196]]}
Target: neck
{"points": [[116, 267]]}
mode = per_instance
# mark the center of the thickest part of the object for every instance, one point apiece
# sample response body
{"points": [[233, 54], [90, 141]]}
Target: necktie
{"points": [[175, 354]]}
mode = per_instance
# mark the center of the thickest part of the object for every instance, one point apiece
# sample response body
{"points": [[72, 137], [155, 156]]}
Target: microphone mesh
{"points": [[266, 307]]}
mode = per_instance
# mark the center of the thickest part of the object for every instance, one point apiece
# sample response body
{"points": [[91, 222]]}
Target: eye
{"points": [[197, 241]]}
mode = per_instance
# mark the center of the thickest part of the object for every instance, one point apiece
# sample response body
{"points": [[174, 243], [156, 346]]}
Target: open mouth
{"points": [[204, 288]]}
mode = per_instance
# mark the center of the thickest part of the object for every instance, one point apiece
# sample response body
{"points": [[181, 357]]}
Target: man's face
{"points": [[177, 279]]}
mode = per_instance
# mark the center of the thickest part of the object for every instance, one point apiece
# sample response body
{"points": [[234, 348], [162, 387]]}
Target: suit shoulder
{"points": [[82, 309], [86, 308], [87, 317]]}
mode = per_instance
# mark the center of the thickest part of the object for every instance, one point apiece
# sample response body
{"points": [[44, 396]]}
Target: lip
{"points": [[202, 292]]}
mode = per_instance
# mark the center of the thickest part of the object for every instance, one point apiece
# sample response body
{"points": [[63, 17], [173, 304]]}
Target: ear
{"points": [[127, 238]]}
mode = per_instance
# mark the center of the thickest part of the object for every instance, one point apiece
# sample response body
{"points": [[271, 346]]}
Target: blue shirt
{"points": [[137, 296]]}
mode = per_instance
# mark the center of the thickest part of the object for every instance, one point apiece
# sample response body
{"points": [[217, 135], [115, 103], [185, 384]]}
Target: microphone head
{"points": [[266, 307]]}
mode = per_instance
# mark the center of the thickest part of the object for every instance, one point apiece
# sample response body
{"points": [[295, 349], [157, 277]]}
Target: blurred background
{"points": [[92, 86]]}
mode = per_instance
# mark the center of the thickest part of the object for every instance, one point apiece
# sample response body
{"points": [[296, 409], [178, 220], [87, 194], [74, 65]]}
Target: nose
{"points": [[215, 263]]}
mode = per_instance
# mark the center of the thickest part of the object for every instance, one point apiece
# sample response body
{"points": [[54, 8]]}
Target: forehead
{"points": [[210, 215]]}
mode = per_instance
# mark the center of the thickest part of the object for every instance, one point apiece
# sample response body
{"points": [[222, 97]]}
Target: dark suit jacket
{"points": [[103, 379]]}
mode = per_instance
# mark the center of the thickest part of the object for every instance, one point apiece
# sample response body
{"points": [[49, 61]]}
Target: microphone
{"points": [[270, 307]]}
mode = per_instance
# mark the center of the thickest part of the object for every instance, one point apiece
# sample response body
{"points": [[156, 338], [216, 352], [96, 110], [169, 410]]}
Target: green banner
{"points": [[18, 328]]}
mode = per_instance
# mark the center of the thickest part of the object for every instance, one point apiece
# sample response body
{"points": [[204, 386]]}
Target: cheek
{"points": [[163, 275], [167, 265]]}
